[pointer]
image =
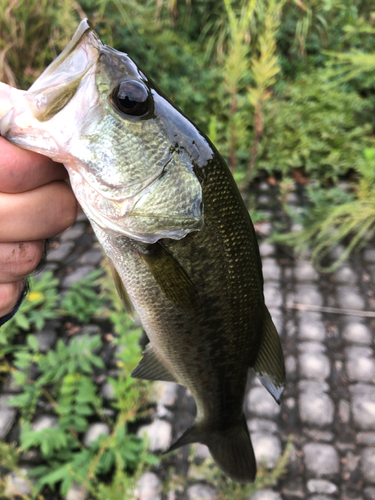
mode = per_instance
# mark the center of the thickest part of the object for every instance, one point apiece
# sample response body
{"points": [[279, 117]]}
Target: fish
{"points": [[169, 216]]}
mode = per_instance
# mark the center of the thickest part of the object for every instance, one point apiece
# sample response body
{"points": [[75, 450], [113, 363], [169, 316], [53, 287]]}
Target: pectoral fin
{"points": [[121, 290], [171, 278], [269, 364], [152, 368]]}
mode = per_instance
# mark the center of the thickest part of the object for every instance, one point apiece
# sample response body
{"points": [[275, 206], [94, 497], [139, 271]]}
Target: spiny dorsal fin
{"points": [[121, 290], [269, 364], [152, 368], [171, 278]]}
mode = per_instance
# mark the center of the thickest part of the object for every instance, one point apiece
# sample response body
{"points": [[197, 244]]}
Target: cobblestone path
{"points": [[329, 400]]}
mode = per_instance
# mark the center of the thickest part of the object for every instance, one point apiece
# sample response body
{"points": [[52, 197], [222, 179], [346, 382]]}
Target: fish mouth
{"points": [[74, 61], [23, 124]]}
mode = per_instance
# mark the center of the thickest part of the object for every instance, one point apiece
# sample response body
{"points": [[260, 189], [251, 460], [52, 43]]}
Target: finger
{"points": [[18, 260], [9, 295], [39, 214], [22, 170]]}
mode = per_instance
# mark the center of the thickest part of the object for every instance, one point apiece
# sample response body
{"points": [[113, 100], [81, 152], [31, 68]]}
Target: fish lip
{"points": [[74, 62]]}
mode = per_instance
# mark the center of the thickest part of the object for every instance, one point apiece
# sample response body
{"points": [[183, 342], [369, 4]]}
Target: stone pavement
{"points": [[329, 401]]}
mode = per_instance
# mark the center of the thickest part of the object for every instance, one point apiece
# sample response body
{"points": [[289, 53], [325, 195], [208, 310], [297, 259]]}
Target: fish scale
{"points": [[179, 238]]}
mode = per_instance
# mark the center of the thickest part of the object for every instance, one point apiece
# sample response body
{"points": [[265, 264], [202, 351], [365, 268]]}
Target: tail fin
{"points": [[231, 449]]}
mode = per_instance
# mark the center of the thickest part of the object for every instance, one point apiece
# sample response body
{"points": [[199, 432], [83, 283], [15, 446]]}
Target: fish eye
{"points": [[131, 97]]}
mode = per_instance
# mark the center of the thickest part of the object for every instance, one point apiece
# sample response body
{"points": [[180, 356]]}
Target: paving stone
{"points": [[266, 249], [349, 298], [290, 365], [321, 459], [320, 497], [45, 422], [363, 405], [107, 391], [267, 448], [74, 232], [46, 339], [369, 493], [166, 393], [94, 431], [263, 199], [321, 486], [272, 295], [309, 295], [17, 483], [262, 425], [200, 492], [277, 318], [264, 228], [271, 269], [368, 464], [345, 275], [357, 332], [304, 271], [313, 386], [60, 253], [344, 411], [149, 487], [312, 330], [318, 435], [360, 364], [261, 403], [266, 494], [367, 438], [314, 365], [159, 434], [311, 347], [201, 453], [77, 275], [77, 492], [369, 255], [316, 409], [92, 257]]}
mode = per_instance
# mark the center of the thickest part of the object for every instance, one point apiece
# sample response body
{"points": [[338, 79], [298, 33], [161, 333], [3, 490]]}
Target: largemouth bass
{"points": [[168, 214]]}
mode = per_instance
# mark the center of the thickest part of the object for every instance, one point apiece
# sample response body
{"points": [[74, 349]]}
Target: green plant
{"points": [[38, 307], [82, 300], [336, 216]]}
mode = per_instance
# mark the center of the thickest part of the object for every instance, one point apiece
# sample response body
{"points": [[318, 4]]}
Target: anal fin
{"points": [[269, 364], [152, 368]]}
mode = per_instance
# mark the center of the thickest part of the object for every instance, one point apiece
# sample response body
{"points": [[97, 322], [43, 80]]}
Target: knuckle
{"points": [[18, 260], [9, 294]]}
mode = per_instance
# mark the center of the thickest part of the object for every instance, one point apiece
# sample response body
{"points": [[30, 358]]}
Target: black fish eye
{"points": [[131, 97]]}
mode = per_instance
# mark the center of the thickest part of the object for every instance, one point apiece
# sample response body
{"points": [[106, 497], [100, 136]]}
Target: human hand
{"points": [[35, 204]]}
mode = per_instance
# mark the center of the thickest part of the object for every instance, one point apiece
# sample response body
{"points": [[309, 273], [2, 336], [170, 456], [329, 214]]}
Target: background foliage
{"points": [[284, 88]]}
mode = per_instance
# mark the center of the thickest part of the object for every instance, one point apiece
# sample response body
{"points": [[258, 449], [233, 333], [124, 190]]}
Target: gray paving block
{"points": [[360, 364], [349, 298], [363, 405], [267, 448], [321, 459], [368, 464], [321, 486], [316, 409], [261, 403]]}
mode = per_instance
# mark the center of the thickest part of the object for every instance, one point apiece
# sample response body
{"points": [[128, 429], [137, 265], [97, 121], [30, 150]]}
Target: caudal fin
{"points": [[231, 449]]}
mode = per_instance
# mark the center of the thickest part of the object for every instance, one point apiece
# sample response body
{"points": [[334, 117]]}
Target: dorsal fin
{"points": [[171, 278], [121, 290], [269, 364], [152, 368]]}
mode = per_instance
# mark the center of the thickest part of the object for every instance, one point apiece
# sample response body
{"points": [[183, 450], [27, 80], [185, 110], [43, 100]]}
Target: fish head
{"points": [[135, 162]]}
